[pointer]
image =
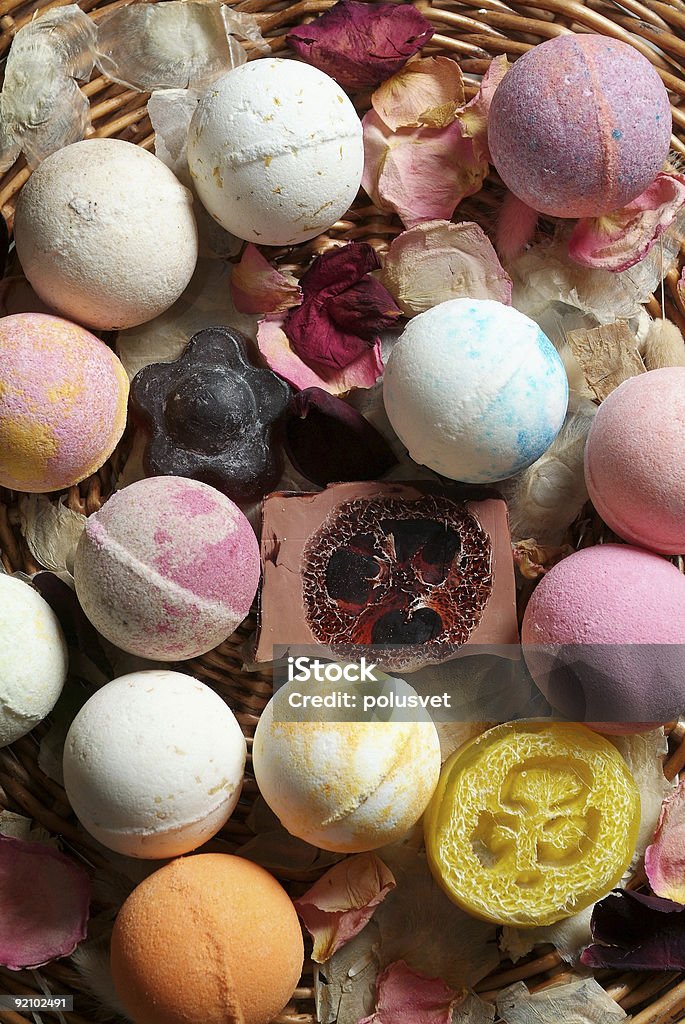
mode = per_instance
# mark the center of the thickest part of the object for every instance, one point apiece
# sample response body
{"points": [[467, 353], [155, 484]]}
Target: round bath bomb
{"points": [[167, 569], [475, 390], [153, 764], [210, 939], [106, 234], [33, 659], [604, 638], [347, 786], [63, 396], [579, 126], [634, 467], [275, 151]]}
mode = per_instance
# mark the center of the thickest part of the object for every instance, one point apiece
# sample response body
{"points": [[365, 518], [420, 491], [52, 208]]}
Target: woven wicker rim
{"points": [[472, 32]]}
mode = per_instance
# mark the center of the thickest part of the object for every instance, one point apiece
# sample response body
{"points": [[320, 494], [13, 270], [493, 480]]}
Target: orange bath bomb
{"points": [[209, 939]]}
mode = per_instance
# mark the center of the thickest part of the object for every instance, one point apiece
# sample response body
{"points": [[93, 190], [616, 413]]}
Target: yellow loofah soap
{"points": [[531, 822]]}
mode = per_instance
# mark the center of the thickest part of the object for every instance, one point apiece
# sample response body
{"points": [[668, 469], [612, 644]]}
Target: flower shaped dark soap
{"points": [[405, 567], [213, 416]]}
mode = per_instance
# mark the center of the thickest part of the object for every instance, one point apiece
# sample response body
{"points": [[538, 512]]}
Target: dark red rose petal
{"points": [[335, 271], [637, 932], [328, 441], [365, 309], [359, 44]]}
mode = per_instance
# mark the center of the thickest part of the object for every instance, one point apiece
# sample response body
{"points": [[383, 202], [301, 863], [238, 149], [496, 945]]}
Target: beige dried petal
{"points": [[644, 754], [437, 261], [582, 1001], [424, 92], [608, 355], [170, 112], [51, 530], [174, 45]]}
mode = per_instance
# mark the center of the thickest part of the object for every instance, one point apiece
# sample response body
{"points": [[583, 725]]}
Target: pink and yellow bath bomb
{"points": [[63, 396], [604, 638], [634, 466], [579, 126], [167, 569]]}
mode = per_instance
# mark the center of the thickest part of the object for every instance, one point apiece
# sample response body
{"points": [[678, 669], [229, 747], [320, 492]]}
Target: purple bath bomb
{"points": [[634, 464], [604, 638], [167, 569], [63, 396], [579, 126]]}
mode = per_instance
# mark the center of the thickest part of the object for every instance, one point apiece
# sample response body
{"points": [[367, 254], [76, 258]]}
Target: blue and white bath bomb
{"points": [[475, 390]]}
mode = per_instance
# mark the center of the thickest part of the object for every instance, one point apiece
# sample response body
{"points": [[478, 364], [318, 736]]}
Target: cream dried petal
{"points": [[170, 112], [582, 1001], [51, 530], [174, 45]]}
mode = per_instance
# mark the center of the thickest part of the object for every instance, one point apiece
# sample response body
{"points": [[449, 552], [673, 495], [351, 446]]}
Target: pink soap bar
{"points": [[167, 569], [63, 396], [635, 460], [604, 637], [579, 126]]}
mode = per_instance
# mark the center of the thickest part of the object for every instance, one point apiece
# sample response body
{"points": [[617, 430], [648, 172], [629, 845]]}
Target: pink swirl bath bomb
{"points": [[604, 637], [167, 569], [634, 465], [63, 396], [579, 126]]}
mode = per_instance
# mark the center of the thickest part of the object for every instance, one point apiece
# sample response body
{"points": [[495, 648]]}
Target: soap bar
{"points": [[213, 416], [531, 822], [402, 565]]}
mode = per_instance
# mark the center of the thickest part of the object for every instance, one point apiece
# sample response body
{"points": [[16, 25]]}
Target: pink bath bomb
{"points": [[604, 638], [63, 396], [635, 460], [579, 126], [167, 569]]}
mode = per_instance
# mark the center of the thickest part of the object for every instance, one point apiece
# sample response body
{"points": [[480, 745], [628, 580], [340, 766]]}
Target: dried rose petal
{"points": [[636, 932], [403, 994], [474, 116], [665, 858], [427, 92], [516, 224], [343, 311], [681, 286], [257, 287], [437, 261], [623, 238], [328, 441], [275, 348], [420, 173], [337, 907], [359, 44], [45, 898]]}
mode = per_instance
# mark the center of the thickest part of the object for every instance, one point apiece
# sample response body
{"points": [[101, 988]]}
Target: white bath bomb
{"points": [[106, 234], [153, 764], [275, 151], [345, 786], [33, 659], [475, 390]]}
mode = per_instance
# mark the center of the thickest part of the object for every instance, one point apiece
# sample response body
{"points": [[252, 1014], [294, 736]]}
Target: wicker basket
{"points": [[472, 32]]}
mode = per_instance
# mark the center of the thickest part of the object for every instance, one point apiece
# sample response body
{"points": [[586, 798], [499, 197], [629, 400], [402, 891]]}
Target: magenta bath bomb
{"points": [[579, 126], [604, 637], [634, 463], [63, 396], [167, 569]]}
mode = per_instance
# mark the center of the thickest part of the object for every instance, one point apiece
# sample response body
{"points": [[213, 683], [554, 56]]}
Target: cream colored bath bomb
{"points": [[153, 764], [106, 234], [346, 786], [33, 659], [275, 151]]}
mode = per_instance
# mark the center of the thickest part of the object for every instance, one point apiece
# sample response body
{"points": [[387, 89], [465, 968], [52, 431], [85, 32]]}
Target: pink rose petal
{"points": [[516, 224], [275, 348], [437, 261], [424, 92], [404, 995], [359, 44], [680, 286], [474, 116], [420, 173], [337, 907], [44, 901], [623, 238], [665, 857], [257, 287]]}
